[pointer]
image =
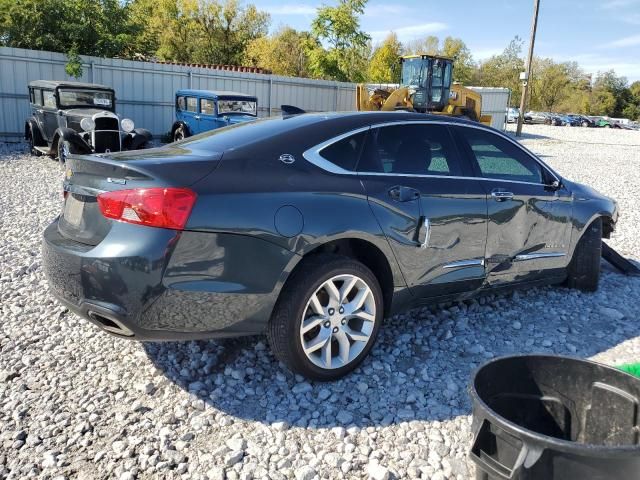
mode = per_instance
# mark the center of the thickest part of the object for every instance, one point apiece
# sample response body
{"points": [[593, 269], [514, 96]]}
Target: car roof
{"points": [[213, 93], [65, 83]]}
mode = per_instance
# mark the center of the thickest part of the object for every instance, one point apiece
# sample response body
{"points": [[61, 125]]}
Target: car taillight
{"points": [[155, 207]]}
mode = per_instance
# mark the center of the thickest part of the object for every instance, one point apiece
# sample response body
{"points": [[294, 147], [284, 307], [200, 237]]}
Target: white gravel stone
{"points": [[76, 402]]}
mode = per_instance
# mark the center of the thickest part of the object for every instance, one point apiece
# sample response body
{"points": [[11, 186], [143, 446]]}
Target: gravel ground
{"points": [[77, 403]]}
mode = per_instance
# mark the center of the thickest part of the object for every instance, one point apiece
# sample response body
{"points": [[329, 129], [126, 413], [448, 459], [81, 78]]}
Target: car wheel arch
{"points": [[362, 250]]}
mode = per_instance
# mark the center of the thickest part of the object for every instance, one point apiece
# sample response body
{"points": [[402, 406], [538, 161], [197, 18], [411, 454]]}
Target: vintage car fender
{"points": [[78, 145], [31, 127], [136, 139]]}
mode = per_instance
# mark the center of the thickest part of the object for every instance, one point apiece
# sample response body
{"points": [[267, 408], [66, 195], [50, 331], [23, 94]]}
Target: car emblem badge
{"points": [[287, 158]]}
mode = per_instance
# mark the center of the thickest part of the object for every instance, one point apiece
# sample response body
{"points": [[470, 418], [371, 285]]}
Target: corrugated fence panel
{"points": [[145, 91], [494, 102]]}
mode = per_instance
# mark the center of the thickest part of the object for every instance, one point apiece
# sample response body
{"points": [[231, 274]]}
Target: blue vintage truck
{"points": [[199, 111]]}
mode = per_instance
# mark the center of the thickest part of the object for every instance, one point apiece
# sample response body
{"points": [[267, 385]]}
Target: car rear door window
{"points": [[411, 149], [498, 158], [344, 153], [192, 104], [207, 106], [49, 100], [180, 103]]}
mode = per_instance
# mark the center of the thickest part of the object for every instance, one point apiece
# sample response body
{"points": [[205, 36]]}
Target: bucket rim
{"points": [[540, 440]]}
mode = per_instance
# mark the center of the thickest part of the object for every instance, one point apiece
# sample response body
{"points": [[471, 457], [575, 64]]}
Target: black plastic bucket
{"points": [[548, 417]]}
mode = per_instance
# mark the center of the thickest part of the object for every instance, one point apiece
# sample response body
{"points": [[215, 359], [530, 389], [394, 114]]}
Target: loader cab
{"points": [[429, 80]]}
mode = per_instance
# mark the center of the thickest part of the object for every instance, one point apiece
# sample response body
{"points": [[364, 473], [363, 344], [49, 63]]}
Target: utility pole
{"points": [[525, 76]]}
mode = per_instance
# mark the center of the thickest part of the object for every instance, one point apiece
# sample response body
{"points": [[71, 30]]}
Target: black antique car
{"points": [[74, 117]]}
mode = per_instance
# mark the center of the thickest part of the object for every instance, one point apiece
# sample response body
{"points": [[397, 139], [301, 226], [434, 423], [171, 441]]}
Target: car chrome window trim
{"points": [[313, 154], [474, 262], [535, 256]]}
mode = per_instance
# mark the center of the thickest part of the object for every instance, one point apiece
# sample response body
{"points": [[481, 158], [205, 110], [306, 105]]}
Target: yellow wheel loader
{"points": [[425, 87]]}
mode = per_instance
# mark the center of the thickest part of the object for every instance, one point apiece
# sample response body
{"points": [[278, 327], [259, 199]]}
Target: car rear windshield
{"points": [[246, 133], [85, 98], [248, 107]]}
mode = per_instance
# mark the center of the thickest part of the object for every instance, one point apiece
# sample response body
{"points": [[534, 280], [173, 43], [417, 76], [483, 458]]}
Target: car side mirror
{"points": [[554, 185]]}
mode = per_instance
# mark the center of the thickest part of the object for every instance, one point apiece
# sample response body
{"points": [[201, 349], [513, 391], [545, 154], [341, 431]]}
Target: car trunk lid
{"points": [[86, 176]]}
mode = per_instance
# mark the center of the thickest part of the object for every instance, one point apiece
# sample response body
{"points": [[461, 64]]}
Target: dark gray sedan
{"points": [[312, 229]]}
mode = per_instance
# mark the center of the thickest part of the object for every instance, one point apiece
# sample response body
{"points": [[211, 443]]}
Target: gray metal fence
{"points": [[145, 91]]}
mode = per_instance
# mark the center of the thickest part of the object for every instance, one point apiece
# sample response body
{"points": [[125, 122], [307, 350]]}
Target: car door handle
{"points": [[403, 194], [197, 117], [501, 195]]}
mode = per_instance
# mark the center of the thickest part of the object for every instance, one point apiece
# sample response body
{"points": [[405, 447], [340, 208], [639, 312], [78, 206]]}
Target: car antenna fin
{"points": [[290, 110]]}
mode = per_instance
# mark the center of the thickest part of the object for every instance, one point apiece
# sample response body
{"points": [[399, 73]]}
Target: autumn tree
{"points": [[385, 61], [283, 53], [347, 48], [503, 70]]}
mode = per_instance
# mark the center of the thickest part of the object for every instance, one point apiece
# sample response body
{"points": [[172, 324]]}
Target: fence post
{"points": [[190, 73], [91, 74], [270, 92], [335, 103]]}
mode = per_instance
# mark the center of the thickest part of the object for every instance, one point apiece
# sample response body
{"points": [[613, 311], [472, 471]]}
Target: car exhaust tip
{"points": [[110, 325]]}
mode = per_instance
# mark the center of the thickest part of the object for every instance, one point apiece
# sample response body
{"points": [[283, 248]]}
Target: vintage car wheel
{"points": [[34, 151], [327, 318], [584, 269], [179, 134]]}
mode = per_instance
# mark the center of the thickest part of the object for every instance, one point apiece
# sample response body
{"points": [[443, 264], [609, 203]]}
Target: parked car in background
{"points": [[583, 120], [512, 114], [78, 118], [568, 120], [536, 117], [312, 228], [199, 111], [604, 122]]}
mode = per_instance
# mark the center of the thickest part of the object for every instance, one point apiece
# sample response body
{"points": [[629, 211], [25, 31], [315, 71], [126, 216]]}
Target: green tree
{"points": [[463, 64], [550, 84], [503, 70], [385, 61], [348, 48], [429, 45], [91, 27], [283, 53]]}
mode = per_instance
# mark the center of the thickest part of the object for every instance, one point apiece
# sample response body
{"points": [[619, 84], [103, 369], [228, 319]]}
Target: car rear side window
{"points": [[498, 158], [192, 104], [344, 153], [414, 149], [207, 106], [180, 103]]}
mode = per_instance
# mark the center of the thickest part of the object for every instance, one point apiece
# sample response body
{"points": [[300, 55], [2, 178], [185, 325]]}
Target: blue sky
{"points": [[599, 35]]}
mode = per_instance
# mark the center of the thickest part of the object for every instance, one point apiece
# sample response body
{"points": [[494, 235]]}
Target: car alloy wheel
{"points": [[338, 322]]}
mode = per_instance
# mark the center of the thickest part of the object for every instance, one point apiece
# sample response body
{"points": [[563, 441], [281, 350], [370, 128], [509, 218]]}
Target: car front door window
{"points": [[49, 99]]}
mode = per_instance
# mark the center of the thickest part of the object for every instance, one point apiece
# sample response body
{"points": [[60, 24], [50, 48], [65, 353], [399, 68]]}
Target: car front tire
{"points": [[584, 269], [327, 318]]}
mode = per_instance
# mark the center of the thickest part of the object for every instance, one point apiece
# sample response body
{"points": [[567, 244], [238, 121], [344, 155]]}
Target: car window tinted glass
{"points": [[499, 158], [192, 105], [418, 149], [344, 153], [48, 99], [207, 106], [180, 103]]}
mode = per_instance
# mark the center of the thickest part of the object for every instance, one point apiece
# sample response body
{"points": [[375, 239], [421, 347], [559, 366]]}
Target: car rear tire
{"points": [[32, 145], [327, 318], [584, 269]]}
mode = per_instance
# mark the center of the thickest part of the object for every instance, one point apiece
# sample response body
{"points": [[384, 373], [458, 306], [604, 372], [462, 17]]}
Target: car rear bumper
{"points": [[153, 284]]}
